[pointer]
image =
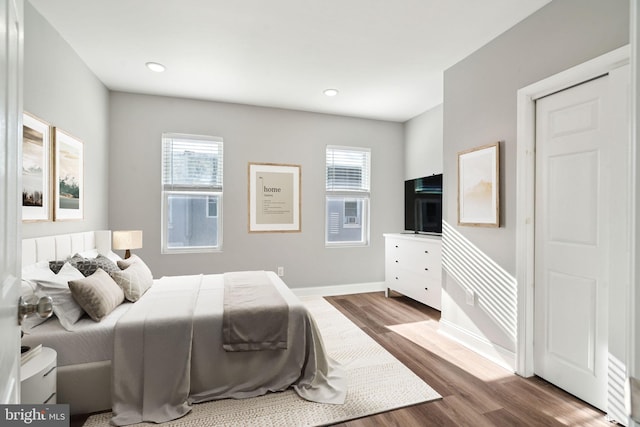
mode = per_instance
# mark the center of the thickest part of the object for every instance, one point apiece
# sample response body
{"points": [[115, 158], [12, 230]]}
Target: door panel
{"points": [[577, 352], [573, 210], [572, 216]]}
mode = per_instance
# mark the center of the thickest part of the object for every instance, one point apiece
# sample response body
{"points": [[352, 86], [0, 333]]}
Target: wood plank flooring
{"points": [[475, 392]]}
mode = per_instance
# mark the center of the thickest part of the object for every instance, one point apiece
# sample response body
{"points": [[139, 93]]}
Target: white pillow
{"points": [[28, 291], [135, 279], [66, 309], [91, 253], [113, 256]]}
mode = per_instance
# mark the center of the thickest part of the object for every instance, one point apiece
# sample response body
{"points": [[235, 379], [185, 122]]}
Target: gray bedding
{"points": [[256, 317], [169, 354]]}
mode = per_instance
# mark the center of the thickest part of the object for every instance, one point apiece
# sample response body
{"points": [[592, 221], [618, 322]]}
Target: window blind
{"points": [[191, 162], [348, 169]]}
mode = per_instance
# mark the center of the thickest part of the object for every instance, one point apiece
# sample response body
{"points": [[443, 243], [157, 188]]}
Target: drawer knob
{"points": [[426, 289], [396, 246], [396, 278], [426, 252], [396, 260]]}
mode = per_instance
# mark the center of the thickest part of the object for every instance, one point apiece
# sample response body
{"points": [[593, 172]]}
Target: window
{"points": [[212, 207], [347, 196], [191, 193]]}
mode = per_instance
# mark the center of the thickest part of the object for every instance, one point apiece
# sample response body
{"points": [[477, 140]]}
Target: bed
{"points": [[107, 364]]}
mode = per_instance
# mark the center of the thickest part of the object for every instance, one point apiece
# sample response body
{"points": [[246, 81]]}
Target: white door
{"points": [[575, 157], [10, 201]]}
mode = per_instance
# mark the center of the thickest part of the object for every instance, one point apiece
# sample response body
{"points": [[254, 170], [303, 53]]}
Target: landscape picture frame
{"points": [[479, 186], [274, 197], [69, 176], [36, 169]]}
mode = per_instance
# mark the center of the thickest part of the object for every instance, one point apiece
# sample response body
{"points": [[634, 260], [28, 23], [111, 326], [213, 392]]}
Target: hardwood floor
{"points": [[475, 392]]}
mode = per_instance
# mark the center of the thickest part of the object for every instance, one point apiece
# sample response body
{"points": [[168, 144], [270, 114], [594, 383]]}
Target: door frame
{"points": [[525, 189]]}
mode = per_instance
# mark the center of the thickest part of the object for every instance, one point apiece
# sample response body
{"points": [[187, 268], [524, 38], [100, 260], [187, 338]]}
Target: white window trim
{"points": [[196, 191], [190, 249], [366, 235], [359, 194]]}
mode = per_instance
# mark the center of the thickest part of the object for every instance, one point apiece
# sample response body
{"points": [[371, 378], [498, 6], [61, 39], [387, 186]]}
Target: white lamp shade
{"points": [[128, 239]]}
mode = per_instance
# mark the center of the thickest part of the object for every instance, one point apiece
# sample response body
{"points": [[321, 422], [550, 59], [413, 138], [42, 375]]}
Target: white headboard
{"points": [[62, 246]]}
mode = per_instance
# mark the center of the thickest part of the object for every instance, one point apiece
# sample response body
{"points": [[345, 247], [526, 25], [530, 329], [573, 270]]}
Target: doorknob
{"points": [[43, 308]]}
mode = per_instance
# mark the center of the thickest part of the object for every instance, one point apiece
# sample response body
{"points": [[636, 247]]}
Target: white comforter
{"points": [[168, 354]]}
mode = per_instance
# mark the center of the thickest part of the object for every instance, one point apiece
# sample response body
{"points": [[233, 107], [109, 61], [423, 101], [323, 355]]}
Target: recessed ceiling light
{"points": [[331, 92], [154, 66]]}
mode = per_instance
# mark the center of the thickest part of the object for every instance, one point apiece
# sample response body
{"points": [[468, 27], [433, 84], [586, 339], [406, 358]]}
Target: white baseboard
{"points": [[326, 291], [495, 353]]}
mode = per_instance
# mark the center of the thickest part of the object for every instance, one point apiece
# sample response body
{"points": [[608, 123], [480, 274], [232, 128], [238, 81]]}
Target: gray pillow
{"points": [[97, 294], [88, 266], [55, 266], [135, 279]]}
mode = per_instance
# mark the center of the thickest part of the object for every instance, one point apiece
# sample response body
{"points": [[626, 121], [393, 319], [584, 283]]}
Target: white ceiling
{"points": [[386, 57]]}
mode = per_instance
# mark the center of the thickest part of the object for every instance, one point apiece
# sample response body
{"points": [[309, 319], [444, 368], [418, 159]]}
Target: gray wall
{"points": [[423, 144], [60, 89], [480, 108], [253, 134]]}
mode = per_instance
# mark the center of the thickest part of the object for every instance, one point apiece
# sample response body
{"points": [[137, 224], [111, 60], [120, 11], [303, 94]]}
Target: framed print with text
{"points": [[479, 186], [274, 197], [36, 169], [69, 178]]}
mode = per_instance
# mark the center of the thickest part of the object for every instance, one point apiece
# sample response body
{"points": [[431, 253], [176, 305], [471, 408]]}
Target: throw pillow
{"points": [[97, 294], [135, 278], [88, 266]]}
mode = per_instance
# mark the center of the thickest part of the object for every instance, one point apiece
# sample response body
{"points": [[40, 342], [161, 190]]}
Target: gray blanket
{"points": [[256, 317], [169, 354], [152, 338]]}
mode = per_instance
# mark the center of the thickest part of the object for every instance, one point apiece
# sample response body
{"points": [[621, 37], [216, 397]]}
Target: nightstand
{"points": [[38, 378]]}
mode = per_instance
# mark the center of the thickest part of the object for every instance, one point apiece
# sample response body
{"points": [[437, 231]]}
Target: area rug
{"points": [[377, 382]]}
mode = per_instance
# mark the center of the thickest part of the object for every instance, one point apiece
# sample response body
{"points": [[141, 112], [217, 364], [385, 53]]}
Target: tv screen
{"points": [[423, 204]]}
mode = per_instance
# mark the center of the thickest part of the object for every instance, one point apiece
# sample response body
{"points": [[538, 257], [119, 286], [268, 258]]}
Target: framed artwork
{"points": [[274, 198], [479, 186], [36, 169], [68, 181]]}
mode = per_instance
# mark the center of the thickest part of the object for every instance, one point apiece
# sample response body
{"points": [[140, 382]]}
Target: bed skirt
{"points": [[86, 387]]}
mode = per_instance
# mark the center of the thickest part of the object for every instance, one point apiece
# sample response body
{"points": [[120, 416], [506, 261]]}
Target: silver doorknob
{"points": [[42, 307]]}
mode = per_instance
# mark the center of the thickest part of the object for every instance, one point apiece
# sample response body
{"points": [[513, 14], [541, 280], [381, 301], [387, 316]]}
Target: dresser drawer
{"points": [[416, 256], [419, 287], [38, 378]]}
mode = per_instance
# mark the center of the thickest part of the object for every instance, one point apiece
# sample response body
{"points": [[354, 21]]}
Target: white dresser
{"points": [[38, 378], [413, 267]]}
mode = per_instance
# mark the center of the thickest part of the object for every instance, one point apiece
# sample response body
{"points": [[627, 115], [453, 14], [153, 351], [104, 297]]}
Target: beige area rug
{"points": [[377, 382]]}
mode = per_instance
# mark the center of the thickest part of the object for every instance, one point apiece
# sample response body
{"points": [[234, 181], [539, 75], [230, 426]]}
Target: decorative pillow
{"points": [[55, 266], [56, 286], [135, 278], [113, 256], [88, 266], [97, 294], [123, 264]]}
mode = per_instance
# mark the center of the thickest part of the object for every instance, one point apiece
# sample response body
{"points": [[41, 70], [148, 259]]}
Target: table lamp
{"points": [[127, 240]]}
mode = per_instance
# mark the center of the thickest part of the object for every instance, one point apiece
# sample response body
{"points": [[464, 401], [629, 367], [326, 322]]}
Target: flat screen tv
{"points": [[423, 205]]}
